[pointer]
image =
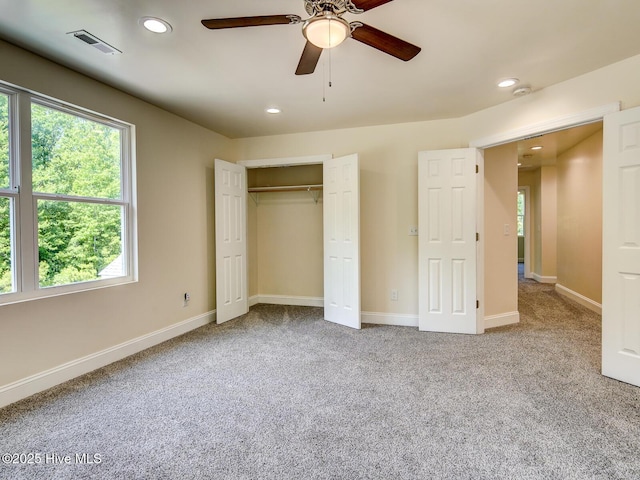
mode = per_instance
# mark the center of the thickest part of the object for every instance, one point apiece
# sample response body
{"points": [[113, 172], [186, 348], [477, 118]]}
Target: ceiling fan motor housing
{"points": [[338, 7]]}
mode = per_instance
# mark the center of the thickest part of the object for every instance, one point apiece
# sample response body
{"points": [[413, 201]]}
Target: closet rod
{"points": [[288, 188]]}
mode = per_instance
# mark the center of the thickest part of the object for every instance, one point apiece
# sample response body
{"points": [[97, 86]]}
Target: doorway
{"points": [[560, 174], [501, 182]]}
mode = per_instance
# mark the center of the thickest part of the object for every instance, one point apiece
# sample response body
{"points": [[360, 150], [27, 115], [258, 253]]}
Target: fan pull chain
{"points": [[324, 76], [330, 67]]}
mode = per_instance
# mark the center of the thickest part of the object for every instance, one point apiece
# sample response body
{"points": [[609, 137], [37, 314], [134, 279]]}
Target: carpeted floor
{"points": [[282, 394]]}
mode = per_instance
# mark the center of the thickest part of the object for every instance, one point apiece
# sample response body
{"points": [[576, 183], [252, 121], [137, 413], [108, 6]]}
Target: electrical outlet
{"points": [[186, 297], [413, 231], [394, 295]]}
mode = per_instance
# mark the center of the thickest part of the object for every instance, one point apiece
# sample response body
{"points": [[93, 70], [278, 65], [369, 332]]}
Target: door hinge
{"points": [[477, 237], [477, 303], [477, 169]]}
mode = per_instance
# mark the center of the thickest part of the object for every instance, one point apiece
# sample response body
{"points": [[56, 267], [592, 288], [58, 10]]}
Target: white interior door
{"points": [[231, 240], [621, 247], [447, 251], [341, 212]]}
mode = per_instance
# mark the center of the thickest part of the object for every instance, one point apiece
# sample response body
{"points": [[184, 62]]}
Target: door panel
{"points": [[621, 247], [447, 244], [231, 240], [341, 200]]}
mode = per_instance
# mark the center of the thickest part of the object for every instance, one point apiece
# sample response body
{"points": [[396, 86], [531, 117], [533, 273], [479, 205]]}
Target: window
{"points": [[6, 202], [66, 204], [521, 213]]}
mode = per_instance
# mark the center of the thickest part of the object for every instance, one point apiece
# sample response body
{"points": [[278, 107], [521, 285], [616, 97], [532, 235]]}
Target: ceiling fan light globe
{"points": [[326, 31]]}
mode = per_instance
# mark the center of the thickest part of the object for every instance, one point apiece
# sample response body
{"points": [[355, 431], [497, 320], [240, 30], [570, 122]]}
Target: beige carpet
{"points": [[282, 394]]}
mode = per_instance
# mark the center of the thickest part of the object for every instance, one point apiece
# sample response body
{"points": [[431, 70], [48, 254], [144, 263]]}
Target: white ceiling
{"points": [[225, 79], [553, 145]]}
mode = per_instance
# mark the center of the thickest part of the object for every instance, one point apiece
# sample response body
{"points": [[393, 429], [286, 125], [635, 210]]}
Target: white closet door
{"points": [[231, 240], [341, 211], [621, 247], [447, 244]]}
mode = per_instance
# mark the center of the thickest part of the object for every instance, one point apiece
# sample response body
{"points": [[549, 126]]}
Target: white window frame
{"points": [[25, 216]]}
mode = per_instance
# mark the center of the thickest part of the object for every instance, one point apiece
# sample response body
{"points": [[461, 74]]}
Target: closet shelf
{"points": [[314, 190]]}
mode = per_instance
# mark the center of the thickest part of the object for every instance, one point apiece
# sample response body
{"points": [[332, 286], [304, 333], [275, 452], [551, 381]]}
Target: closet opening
{"points": [[285, 235]]}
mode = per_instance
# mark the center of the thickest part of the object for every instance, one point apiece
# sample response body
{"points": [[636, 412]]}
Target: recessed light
{"points": [[537, 147], [508, 82], [155, 25], [273, 110]]}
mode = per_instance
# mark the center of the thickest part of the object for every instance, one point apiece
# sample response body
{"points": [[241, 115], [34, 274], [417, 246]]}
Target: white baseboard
{"points": [[287, 300], [49, 378], [502, 319], [396, 319], [579, 298], [254, 300], [542, 279]]}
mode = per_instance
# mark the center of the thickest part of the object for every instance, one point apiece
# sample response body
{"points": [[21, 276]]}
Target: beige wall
{"points": [[548, 224], [580, 218], [290, 251], [536, 238], [542, 183], [175, 224], [388, 156], [285, 234], [389, 197], [501, 247], [175, 206]]}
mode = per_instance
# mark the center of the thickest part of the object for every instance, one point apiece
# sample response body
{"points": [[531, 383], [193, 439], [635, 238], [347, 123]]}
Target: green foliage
{"points": [[4, 141], [5, 247], [74, 156], [77, 157], [76, 240], [5, 233]]}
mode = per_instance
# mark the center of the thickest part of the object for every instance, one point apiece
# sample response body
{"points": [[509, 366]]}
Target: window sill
{"points": [[50, 292]]}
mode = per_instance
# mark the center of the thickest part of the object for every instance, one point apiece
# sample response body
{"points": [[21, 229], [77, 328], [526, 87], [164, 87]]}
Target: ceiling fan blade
{"points": [[385, 43], [369, 4], [217, 23], [309, 59]]}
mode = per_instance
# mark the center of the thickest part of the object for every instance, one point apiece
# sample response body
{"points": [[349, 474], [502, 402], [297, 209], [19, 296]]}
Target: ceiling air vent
{"points": [[95, 42]]}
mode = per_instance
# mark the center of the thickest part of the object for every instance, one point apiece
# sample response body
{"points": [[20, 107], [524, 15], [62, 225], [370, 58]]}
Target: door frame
{"points": [[286, 162], [593, 115], [320, 159], [283, 162], [549, 126], [528, 229]]}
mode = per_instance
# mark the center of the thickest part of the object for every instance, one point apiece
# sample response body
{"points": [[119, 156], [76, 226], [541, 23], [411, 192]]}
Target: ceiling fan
{"points": [[326, 29]]}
